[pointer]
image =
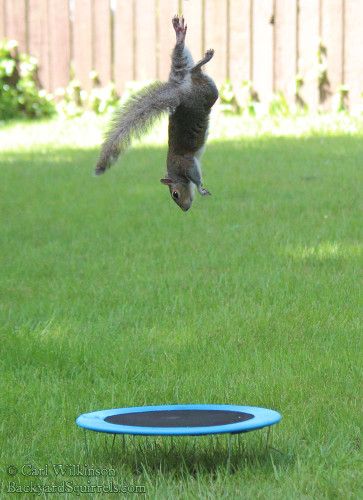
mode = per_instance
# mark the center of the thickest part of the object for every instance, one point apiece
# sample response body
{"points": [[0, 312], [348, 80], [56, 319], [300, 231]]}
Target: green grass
{"points": [[111, 296]]}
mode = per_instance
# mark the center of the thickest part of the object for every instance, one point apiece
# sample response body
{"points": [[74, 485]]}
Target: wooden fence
{"points": [[268, 42]]}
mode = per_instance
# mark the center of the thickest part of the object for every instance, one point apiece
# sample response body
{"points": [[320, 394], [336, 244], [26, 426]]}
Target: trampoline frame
{"points": [[262, 418]]}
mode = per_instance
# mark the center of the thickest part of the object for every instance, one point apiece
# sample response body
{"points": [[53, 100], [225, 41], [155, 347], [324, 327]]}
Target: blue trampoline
{"points": [[179, 420]]}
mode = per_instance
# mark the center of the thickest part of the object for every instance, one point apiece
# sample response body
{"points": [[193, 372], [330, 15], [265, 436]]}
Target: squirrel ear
{"points": [[166, 181]]}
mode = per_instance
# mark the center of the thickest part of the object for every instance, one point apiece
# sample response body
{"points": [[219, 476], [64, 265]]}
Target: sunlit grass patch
{"points": [[325, 250]]}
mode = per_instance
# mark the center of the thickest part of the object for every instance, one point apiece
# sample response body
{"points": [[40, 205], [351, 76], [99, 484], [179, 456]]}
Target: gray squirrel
{"points": [[188, 96]]}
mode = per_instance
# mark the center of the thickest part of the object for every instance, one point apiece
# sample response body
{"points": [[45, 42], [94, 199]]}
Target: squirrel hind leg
{"points": [[181, 63], [181, 59], [207, 57]]}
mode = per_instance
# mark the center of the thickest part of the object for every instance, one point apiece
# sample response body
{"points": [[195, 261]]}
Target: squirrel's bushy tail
{"points": [[133, 119]]}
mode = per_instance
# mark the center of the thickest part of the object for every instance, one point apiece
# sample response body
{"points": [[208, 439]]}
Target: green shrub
{"points": [[340, 99], [238, 99], [278, 105], [74, 101], [20, 93]]}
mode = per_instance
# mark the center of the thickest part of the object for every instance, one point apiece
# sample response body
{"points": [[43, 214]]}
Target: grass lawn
{"points": [[111, 296]]}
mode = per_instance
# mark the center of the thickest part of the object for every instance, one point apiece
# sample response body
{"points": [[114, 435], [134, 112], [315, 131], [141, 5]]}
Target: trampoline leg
{"points": [[229, 452], [268, 438], [85, 441], [123, 443], [113, 442], [169, 449]]}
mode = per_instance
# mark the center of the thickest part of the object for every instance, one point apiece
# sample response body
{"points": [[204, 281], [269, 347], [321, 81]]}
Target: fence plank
{"points": [[285, 64], [15, 22], [332, 40], [166, 42], [59, 43], [216, 37], [193, 14], [102, 40], [83, 42], [353, 51], [263, 49], [308, 43], [2, 19], [124, 44], [145, 33], [39, 38], [240, 68]]}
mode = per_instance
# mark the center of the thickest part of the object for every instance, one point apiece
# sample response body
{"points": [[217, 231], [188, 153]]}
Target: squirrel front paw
{"points": [[203, 191]]}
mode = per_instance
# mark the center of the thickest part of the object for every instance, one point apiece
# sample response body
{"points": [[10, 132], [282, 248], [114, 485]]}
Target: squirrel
{"points": [[188, 97]]}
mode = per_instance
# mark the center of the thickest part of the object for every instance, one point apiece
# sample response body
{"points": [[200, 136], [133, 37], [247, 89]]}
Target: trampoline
{"points": [[179, 420]]}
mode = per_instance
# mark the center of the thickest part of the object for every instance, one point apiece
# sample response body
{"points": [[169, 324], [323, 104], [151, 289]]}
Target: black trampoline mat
{"points": [[179, 418]]}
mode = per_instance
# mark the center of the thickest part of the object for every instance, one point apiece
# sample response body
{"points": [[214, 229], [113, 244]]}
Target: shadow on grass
{"points": [[188, 455]]}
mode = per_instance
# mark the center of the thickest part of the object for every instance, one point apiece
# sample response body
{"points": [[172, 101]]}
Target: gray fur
{"points": [[188, 96]]}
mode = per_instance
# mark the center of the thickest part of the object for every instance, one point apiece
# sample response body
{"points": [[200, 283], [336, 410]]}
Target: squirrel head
{"points": [[182, 193]]}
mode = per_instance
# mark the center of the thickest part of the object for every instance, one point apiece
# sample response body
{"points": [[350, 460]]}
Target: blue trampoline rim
{"points": [[263, 417]]}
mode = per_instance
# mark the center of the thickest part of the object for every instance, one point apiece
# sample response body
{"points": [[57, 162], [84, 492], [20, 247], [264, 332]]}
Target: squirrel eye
{"points": [[175, 195]]}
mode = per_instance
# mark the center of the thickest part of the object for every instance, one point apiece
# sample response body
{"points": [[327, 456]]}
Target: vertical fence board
{"points": [[308, 20], [39, 39], [145, 33], [285, 64], [193, 14], [353, 52], [124, 44], [263, 49], [2, 19], [216, 37], [16, 22], [240, 38], [102, 40], [167, 9], [83, 42], [59, 43], [332, 40]]}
